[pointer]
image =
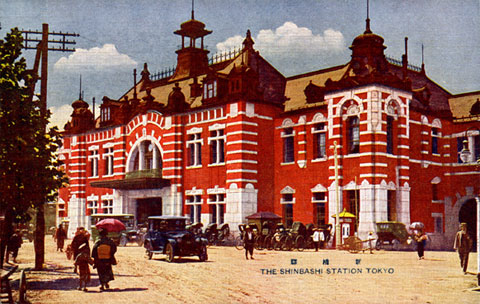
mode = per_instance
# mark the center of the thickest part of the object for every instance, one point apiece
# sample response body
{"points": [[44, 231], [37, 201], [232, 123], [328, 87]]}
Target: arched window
{"points": [[146, 156], [353, 135]]}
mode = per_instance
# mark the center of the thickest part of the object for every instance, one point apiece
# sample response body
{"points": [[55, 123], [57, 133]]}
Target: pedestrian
{"points": [[463, 243], [103, 254], [330, 233], [316, 238], [13, 245], [83, 262], [81, 237], [323, 239], [60, 236], [249, 241], [371, 238], [420, 239]]}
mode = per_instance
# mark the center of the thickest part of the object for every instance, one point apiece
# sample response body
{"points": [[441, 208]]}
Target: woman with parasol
{"points": [[103, 252]]}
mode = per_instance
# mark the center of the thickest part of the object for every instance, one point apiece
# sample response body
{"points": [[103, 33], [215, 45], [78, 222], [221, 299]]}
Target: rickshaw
{"points": [[282, 239], [264, 238], [392, 235]]}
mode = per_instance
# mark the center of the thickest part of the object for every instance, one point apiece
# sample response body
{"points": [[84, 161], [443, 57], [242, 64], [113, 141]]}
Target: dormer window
{"points": [[210, 89], [106, 115]]}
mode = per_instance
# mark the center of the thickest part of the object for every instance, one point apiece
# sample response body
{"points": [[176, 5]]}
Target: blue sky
{"points": [[295, 36]]}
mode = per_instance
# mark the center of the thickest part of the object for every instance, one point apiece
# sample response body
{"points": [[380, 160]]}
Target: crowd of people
{"points": [[102, 255]]}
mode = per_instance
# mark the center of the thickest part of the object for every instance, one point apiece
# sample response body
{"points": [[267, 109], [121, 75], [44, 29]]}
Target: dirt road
{"points": [[273, 277]]}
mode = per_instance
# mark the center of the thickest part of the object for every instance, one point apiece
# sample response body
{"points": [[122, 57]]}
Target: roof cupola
{"points": [[192, 60]]}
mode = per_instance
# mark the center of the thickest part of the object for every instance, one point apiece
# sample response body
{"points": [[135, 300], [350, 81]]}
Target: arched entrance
{"points": [[468, 214]]}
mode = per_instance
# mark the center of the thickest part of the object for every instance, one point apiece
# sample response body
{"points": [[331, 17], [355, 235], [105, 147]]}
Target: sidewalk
{"points": [[273, 277]]}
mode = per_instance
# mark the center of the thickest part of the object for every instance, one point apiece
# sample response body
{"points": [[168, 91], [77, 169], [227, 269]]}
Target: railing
{"points": [[400, 64], [215, 58], [149, 173], [224, 56], [165, 73]]}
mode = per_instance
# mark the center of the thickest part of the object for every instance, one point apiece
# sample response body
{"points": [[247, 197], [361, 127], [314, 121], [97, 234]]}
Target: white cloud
{"points": [[60, 116], [291, 40], [95, 58]]}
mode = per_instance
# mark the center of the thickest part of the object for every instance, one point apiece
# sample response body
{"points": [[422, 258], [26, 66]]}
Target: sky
{"points": [[117, 36]]}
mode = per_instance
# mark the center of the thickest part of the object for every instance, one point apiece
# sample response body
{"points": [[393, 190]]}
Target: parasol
{"points": [[111, 225], [417, 225]]}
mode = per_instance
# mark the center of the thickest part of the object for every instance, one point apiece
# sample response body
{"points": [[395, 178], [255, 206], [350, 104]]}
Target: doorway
{"points": [[468, 214], [148, 207]]}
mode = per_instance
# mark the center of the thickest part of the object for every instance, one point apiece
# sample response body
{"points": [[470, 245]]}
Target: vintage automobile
{"points": [[136, 236], [127, 219], [168, 235], [393, 235]]}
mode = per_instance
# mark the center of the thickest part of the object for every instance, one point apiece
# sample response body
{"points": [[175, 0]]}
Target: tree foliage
{"points": [[29, 168]]}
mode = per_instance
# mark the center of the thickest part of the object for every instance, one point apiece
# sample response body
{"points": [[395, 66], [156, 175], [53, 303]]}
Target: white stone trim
{"points": [[194, 191]]}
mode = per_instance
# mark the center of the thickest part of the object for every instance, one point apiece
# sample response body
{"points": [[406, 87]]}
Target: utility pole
{"points": [[338, 238], [43, 47]]}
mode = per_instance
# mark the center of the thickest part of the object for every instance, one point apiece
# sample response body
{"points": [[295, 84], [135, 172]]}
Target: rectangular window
{"points": [[217, 147], [460, 147], [353, 197], [93, 158], [434, 192], [107, 206], [476, 147], [319, 197], [389, 134], [213, 211], [108, 156], [319, 150], [288, 146], [287, 197], [210, 89], [288, 215], [194, 144], [435, 136], [195, 202], [391, 206], [319, 214], [438, 223], [92, 207]]}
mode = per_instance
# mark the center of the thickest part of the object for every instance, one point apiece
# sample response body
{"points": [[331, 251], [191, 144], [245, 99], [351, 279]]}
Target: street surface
{"points": [[326, 276]]}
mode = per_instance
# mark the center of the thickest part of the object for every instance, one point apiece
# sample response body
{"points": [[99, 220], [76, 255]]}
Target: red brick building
{"points": [[218, 140]]}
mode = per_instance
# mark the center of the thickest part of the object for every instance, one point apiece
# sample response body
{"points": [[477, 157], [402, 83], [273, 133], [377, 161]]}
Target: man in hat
{"points": [[249, 241], [463, 244]]}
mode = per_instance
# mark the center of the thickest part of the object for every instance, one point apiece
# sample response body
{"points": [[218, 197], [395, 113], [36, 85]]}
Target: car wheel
{"points": [[396, 245], [169, 253], [123, 241], [378, 244], [203, 254]]}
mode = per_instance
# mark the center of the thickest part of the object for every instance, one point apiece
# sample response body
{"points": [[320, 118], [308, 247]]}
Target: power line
{"points": [[57, 42]]}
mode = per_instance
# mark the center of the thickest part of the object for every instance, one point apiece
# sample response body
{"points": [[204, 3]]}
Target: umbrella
{"points": [[111, 225], [417, 225]]}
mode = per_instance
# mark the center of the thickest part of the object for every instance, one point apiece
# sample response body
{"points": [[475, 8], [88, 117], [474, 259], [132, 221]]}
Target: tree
{"points": [[30, 173]]}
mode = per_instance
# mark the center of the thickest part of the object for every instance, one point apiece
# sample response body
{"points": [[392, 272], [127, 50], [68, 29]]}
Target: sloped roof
{"points": [[294, 90], [461, 104]]}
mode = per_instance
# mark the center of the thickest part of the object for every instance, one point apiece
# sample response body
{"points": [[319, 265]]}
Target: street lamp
{"points": [[465, 155], [337, 194]]}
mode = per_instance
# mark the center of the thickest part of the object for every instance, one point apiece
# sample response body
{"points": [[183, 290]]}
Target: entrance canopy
{"points": [[137, 180]]}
